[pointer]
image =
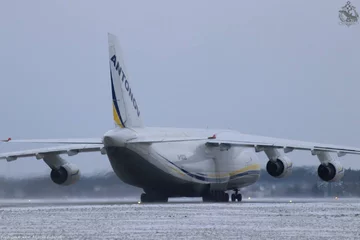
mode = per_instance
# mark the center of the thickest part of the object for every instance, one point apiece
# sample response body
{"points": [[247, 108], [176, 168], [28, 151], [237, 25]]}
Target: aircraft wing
{"points": [[257, 142], [39, 153], [58, 141], [164, 139], [260, 143]]}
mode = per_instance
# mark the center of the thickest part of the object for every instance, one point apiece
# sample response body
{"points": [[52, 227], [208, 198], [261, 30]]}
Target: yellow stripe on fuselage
{"points": [[116, 117], [178, 171], [245, 169], [253, 167]]}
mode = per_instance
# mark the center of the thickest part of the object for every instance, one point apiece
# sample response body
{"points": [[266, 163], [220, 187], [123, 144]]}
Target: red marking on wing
{"points": [[212, 137]]}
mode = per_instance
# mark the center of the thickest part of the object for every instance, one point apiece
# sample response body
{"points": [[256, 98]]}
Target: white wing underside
{"points": [[39, 153], [252, 141], [59, 141], [259, 142]]}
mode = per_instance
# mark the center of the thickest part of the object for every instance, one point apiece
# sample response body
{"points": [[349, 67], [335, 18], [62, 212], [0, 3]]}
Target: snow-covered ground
{"points": [[181, 219]]}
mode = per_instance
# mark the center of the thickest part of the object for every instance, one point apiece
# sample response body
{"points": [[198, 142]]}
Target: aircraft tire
{"points": [[219, 196], [144, 198], [216, 196], [147, 198], [238, 197], [207, 198], [226, 197], [233, 197]]}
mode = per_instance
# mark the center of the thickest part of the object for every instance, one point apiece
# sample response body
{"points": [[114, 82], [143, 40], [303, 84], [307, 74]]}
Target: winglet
{"points": [[7, 140]]}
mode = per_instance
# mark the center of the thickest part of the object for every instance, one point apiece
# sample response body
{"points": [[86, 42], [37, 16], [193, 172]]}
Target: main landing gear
{"points": [[153, 197], [236, 196], [221, 196], [216, 196]]}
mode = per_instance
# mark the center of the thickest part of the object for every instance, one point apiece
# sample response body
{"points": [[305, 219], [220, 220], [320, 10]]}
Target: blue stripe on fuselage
{"points": [[115, 99]]}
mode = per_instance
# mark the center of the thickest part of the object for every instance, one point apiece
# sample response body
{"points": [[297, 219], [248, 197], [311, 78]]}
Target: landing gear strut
{"points": [[153, 197], [236, 196], [216, 196]]}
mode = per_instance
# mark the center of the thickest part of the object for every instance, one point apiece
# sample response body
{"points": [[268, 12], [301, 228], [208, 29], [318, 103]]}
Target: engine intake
{"points": [[280, 168], [65, 175], [331, 172]]}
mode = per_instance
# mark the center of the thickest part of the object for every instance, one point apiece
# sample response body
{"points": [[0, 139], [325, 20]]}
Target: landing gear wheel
{"points": [[216, 196], [153, 198], [233, 197], [236, 196], [239, 197], [207, 198], [226, 197], [143, 197], [220, 196], [162, 199]]}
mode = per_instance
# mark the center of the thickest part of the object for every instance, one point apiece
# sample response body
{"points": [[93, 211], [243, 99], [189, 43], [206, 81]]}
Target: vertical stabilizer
{"points": [[125, 108]]}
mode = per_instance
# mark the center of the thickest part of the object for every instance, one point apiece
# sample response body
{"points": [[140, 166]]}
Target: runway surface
{"points": [[180, 219]]}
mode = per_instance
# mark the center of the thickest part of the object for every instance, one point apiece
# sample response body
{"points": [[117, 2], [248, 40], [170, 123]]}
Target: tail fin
{"points": [[125, 108]]}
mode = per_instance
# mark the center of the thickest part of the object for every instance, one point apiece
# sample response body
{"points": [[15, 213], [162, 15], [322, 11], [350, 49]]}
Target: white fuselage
{"points": [[182, 168]]}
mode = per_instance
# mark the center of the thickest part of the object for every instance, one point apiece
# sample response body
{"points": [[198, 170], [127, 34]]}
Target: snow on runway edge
{"points": [[266, 219]]}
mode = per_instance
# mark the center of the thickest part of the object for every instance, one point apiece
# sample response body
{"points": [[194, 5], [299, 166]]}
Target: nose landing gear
{"points": [[236, 196]]}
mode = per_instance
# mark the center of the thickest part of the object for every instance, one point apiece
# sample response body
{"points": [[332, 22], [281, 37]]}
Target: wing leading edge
{"points": [[71, 150], [259, 143], [57, 141]]}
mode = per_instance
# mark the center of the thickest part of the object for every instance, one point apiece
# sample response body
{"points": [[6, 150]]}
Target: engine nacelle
{"points": [[280, 168], [331, 172], [67, 174]]}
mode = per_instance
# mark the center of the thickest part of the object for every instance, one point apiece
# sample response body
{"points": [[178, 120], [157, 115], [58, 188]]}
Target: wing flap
{"points": [[39, 153]]}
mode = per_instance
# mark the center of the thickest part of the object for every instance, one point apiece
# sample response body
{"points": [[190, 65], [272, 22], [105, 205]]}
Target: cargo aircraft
{"points": [[176, 162]]}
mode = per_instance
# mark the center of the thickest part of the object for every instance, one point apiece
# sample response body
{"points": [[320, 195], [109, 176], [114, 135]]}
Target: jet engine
{"points": [[66, 174], [280, 168], [331, 172]]}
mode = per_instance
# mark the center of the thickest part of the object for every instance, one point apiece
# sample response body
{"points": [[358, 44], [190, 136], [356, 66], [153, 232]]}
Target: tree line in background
{"points": [[303, 182]]}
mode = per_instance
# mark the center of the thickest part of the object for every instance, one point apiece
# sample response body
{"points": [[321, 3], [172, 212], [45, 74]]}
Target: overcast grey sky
{"points": [[277, 68]]}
